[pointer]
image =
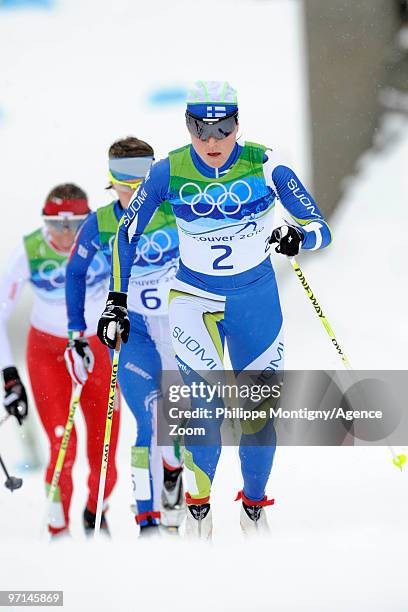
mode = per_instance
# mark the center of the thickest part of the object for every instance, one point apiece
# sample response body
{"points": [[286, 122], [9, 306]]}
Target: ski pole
{"points": [[106, 442], [75, 397], [398, 460], [319, 312], [12, 482]]}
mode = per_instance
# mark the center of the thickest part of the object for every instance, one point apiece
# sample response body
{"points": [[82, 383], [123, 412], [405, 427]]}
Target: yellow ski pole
{"points": [[106, 443], [75, 397], [398, 460], [319, 312]]}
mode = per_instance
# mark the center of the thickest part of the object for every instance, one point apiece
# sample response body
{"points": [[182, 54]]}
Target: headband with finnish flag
{"points": [[212, 100]]}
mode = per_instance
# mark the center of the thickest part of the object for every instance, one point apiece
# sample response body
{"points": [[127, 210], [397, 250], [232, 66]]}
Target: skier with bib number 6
{"points": [[156, 471], [223, 194]]}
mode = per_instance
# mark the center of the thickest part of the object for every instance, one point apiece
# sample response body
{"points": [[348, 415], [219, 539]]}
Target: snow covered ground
{"points": [[339, 533]]}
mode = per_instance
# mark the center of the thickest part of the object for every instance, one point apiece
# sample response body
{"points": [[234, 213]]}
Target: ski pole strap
{"points": [[196, 501], [253, 502]]}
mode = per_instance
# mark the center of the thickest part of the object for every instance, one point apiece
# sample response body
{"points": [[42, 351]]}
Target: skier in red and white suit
{"points": [[41, 259]]}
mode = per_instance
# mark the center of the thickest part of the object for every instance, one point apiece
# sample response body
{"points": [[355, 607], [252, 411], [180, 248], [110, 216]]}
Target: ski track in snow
{"points": [[339, 536]]}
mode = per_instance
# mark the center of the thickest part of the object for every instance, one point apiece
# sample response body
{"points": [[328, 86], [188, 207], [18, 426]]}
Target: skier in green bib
{"points": [[223, 194], [156, 471], [41, 260]]}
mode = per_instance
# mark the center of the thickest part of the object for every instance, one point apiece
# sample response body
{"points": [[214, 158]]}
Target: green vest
{"points": [[248, 165], [225, 220], [163, 222], [47, 266]]}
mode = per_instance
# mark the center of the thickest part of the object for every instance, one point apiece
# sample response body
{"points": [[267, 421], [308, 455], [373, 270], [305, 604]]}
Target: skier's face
{"points": [[215, 152], [124, 195], [63, 240]]}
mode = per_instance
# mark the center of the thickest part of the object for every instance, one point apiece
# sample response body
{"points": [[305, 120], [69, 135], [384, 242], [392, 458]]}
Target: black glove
{"points": [[15, 399], [289, 239], [114, 319]]}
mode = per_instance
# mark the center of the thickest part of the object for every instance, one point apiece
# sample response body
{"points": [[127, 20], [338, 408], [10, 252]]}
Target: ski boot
{"points": [[59, 534], [253, 519], [150, 530], [173, 508], [89, 519], [198, 523]]}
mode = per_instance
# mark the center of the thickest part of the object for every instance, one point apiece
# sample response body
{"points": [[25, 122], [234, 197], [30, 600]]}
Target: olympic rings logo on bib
{"points": [[234, 193], [150, 248], [54, 273], [96, 267]]}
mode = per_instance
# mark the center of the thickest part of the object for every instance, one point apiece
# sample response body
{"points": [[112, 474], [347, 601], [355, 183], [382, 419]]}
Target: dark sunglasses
{"points": [[217, 128]]}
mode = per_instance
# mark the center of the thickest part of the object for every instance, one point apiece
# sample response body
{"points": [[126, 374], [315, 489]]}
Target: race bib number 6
{"points": [[150, 299]]}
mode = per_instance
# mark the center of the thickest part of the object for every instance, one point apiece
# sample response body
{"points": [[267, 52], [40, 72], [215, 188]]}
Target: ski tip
{"points": [[399, 461]]}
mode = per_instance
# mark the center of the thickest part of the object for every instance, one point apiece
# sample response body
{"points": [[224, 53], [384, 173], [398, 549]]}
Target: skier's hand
{"points": [[15, 399], [289, 239], [79, 357], [114, 320]]}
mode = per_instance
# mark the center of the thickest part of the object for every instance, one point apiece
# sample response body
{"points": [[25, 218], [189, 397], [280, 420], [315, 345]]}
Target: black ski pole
{"points": [[12, 482]]}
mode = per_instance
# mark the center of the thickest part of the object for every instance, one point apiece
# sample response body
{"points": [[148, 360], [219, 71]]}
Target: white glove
{"points": [[79, 358]]}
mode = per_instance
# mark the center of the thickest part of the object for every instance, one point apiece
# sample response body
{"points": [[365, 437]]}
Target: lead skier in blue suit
{"points": [[223, 194]]}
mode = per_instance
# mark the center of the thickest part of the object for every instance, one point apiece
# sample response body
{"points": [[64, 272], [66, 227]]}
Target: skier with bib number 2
{"points": [[223, 194]]}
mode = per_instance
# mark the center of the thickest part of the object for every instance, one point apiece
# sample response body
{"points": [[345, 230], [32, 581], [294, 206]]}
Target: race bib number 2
{"points": [[224, 253]]}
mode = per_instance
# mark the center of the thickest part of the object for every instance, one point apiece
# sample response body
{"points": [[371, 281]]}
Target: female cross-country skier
{"points": [[155, 471], [41, 259], [223, 193]]}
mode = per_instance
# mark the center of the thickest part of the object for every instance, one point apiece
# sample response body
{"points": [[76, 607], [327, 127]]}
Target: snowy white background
{"points": [[76, 78]]}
